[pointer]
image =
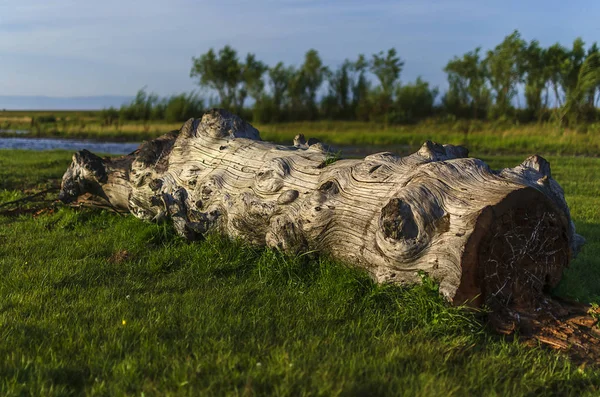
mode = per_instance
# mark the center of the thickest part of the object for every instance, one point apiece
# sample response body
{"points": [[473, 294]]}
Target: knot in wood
{"points": [[397, 220]]}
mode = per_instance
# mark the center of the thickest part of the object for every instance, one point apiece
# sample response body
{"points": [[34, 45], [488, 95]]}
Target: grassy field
{"points": [[96, 303], [489, 138]]}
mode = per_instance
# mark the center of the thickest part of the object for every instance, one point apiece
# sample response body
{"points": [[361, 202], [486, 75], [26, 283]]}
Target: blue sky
{"points": [[114, 47]]}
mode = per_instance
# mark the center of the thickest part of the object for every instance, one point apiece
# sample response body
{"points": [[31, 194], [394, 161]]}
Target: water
{"points": [[350, 151], [68, 144], [12, 132]]}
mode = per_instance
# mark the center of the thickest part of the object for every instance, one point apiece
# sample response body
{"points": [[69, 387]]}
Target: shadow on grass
{"points": [[581, 281]]}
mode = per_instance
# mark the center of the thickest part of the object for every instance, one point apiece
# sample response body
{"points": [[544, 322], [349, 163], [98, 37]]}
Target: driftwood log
{"points": [[497, 237]]}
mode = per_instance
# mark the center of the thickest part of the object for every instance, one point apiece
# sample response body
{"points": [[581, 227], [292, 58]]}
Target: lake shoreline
{"points": [[121, 147]]}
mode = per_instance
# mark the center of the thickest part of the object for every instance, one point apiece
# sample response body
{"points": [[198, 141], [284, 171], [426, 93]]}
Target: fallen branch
{"points": [[496, 237]]}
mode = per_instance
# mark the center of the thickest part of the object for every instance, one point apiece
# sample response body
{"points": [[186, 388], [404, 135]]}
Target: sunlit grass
{"points": [[95, 303]]}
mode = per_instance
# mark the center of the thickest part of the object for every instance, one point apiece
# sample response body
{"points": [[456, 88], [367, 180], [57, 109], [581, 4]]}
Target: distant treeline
{"points": [[557, 83], [150, 107]]}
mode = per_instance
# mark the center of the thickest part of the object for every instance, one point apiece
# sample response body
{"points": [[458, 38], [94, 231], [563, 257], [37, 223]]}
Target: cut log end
{"points": [[516, 254], [522, 257]]}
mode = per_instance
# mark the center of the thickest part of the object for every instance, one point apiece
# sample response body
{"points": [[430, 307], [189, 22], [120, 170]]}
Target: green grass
{"points": [[481, 138], [488, 137], [79, 316]]}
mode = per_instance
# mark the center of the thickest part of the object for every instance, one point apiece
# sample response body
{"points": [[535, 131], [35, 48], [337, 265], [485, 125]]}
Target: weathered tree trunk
{"points": [[502, 237]]}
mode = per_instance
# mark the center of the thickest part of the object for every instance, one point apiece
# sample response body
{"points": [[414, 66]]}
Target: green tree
{"points": [[571, 66], [272, 106], [231, 79], [337, 103], [222, 73], [468, 94], [252, 72], [535, 61], [280, 78], [296, 95], [312, 75], [387, 68], [348, 91], [556, 55], [570, 81], [414, 101], [577, 103], [591, 95], [504, 70], [304, 83], [360, 88]]}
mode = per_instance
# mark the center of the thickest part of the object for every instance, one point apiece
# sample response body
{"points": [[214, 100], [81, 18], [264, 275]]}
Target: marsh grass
{"points": [[480, 137], [95, 303]]}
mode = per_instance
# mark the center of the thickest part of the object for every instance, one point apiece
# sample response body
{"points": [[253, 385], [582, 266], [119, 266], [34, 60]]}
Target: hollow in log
{"points": [[497, 237]]}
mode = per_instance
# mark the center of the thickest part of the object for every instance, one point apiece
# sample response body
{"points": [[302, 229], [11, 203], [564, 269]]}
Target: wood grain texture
{"points": [[496, 236]]}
